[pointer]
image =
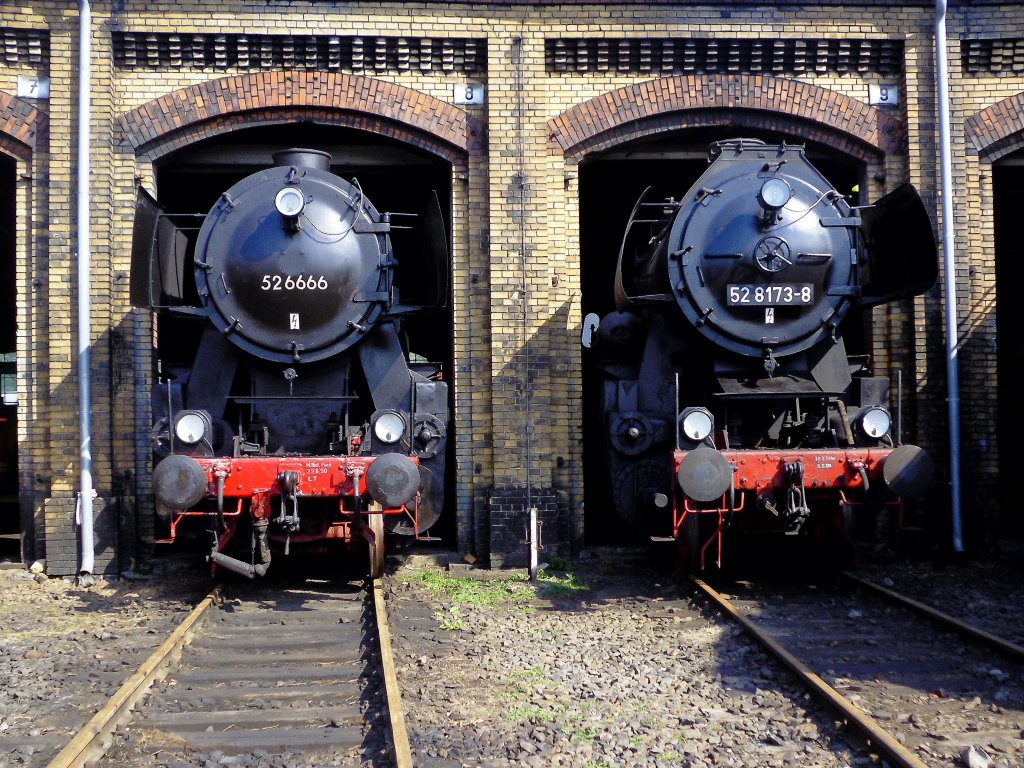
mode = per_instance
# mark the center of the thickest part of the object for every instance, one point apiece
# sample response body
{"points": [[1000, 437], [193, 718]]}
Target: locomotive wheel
{"points": [[376, 550]]}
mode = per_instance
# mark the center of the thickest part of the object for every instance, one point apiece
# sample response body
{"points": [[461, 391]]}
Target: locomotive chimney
{"points": [[303, 158]]}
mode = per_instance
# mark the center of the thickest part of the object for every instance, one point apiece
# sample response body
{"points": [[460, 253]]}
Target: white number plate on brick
{"points": [[469, 94]]}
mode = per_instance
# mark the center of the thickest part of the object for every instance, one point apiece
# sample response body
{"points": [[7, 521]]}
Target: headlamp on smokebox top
{"points": [[772, 197], [290, 202], [774, 194]]}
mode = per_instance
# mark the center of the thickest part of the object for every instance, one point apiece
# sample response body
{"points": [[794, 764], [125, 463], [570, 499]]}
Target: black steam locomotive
{"points": [[302, 422], [728, 394]]}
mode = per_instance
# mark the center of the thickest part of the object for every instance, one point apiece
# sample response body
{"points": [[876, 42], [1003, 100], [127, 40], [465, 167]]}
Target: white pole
{"points": [[949, 266], [84, 308], [533, 544]]}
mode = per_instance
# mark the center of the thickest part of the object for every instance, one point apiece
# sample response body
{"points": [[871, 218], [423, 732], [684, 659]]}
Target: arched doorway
{"points": [[395, 175], [611, 181], [1008, 199]]}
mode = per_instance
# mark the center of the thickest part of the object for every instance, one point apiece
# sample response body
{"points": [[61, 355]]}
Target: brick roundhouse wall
{"points": [[515, 197]]}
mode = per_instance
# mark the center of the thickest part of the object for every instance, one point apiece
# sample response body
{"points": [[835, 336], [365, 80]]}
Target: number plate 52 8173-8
{"points": [[777, 295]]}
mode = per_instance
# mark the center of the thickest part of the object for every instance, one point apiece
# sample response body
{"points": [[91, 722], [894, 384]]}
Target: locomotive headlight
{"points": [[389, 427], [875, 422], [696, 423], [290, 202], [190, 427], [774, 194]]}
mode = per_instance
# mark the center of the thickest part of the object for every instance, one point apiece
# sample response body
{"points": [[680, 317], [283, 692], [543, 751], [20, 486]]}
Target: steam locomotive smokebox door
{"points": [[746, 283], [291, 264]]}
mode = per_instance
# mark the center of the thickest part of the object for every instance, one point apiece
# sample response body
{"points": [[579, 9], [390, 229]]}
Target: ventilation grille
{"points": [[143, 50], [995, 56], [25, 47], [700, 55]]}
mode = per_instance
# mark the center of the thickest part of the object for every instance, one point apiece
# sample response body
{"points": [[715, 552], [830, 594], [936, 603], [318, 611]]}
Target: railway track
{"points": [[921, 687], [254, 673]]}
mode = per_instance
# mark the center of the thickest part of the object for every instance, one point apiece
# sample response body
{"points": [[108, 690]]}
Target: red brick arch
{"points": [[684, 101], [997, 130], [22, 126], [217, 106]]}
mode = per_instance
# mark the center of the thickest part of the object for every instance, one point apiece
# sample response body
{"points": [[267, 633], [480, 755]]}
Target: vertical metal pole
{"points": [[517, 84], [949, 266], [899, 406], [534, 554], [84, 308]]}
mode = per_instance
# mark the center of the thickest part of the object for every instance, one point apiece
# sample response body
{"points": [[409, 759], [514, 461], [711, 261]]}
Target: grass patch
{"points": [[580, 735], [531, 676], [518, 713], [464, 590], [551, 584], [559, 563], [561, 586], [519, 682], [451, 619]]}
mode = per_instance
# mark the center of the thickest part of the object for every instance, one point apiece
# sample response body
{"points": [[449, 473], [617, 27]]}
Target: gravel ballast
{"points": [[64, 649], [623, 673], [605, 663]]}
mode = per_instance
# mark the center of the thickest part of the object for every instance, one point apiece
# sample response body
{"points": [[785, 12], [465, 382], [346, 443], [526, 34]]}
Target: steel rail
{"points": [[951, 622], [87, 746], [400, 737], [876, 735]]}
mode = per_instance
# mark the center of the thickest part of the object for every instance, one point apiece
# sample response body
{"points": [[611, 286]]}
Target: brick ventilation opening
{"points": [[24, 47], [138, 50], [1002, 57], [727, 55]]}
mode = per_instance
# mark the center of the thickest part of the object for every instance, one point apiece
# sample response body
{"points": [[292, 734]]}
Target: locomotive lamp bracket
{"points": [[704, 195]]}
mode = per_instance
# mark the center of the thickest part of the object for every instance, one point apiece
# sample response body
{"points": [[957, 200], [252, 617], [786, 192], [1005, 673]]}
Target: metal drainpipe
{"points": [[84, 308], [948, 253], [531, 512]]}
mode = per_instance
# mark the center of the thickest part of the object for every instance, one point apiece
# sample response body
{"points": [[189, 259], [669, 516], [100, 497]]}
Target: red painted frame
{"points": [[765, 471], [257, 478]]}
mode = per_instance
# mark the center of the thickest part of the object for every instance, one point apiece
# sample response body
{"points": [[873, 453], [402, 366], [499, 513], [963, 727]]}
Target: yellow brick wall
{"points": [[516, 333]]}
